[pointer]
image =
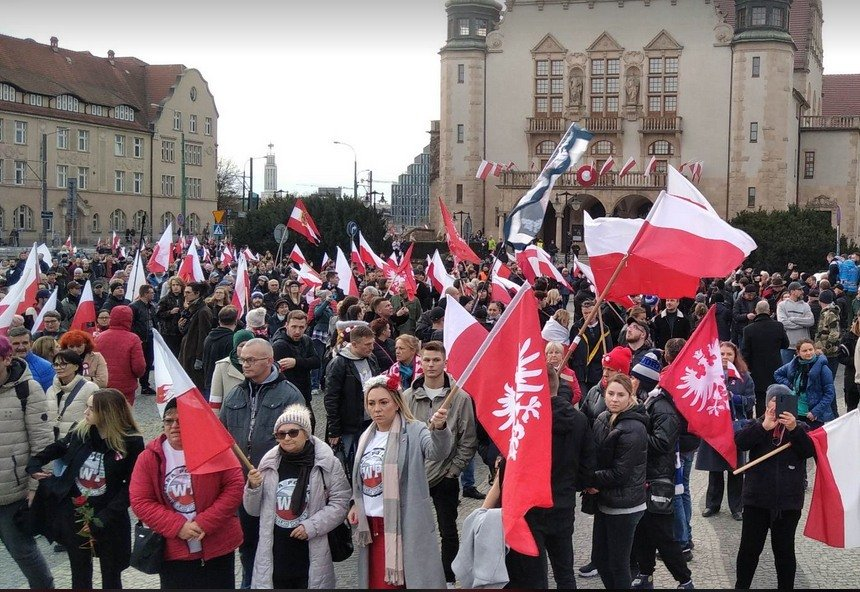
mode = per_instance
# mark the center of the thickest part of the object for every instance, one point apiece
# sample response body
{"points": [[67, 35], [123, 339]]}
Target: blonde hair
{"points": [[410, 341], [114, 419], [553, 296], [562, 317], [382, 382]]}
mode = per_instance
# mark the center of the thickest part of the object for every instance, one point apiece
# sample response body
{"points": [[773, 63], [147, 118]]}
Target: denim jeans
{"points": [[684, 505], [787, 355], [467, 477], [22, 547], [319, 347]]}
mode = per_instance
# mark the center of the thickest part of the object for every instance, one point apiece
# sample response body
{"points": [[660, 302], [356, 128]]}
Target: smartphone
{"points": [[786, 402]]}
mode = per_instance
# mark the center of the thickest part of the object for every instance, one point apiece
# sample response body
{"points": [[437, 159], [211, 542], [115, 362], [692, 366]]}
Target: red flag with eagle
{"points": [[459, 248], [401, 274], [301, 221], [697, 385]]}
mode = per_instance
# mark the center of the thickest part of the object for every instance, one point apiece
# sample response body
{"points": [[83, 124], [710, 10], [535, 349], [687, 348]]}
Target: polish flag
{"points": [[297, 256], [301, 221], [697, 171], [69, 247], [207, 258], [136, 278], [628, 166], [834, 511], [511, 166], [85, 314], [535, 262], [355, 257], [242, 289], [367, 254], [484, 170], [463, 336], [227, 257], [114, 241], [190, 270], [459, 248], [326, 260], [22, 294], [498, 169], [697, 385], [122, 253], [502, 288], [162, 252], [249, 256], [652, 166], [346, 281], [209, 454], [502, 270], [179, 245], [436, 274], [607, 166], [50, 304], [506, 378], [308, 277], [624, 301]]}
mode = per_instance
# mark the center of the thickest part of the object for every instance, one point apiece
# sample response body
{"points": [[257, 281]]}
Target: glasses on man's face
{"points": [[250, 361], [293, 433], [170, 421]]}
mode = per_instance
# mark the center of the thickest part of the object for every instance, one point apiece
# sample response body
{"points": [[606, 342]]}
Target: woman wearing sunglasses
{"points": [[300, 492]]}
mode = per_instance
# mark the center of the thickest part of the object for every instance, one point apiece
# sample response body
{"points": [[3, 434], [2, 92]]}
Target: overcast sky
{"points": [[302, 74]]}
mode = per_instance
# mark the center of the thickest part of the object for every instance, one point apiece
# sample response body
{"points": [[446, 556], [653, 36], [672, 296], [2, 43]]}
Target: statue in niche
{"points": [[575, 88], [632, 88]]}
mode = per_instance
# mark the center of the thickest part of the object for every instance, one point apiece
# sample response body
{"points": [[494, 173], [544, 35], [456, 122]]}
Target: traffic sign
{"points": [[47, 215], [218, 229], [180, 219], [218, 215], [280, 233], [352, 229]]}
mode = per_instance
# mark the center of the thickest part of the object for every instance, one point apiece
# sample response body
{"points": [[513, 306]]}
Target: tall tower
{"points": [[270, 174], [764, 109], [463, 109]]}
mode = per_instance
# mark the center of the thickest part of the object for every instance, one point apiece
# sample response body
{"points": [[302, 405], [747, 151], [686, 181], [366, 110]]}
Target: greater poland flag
{"points": [[301, 221], [834, 512], [463, 336], [190, 270], [346, 281], [22, 294], [628, 166], [355, 257], [243, 287], [297, 256], [484, 170], [136, 278], [367, 254], [439, 278], [205, 441], [85, 314], [51, 304], [162, 252]]}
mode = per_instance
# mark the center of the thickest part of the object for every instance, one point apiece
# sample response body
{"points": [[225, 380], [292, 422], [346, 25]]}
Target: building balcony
{"points": [[603, 125], [525, 180], [834, 122], [661, 125], [547, 125]]}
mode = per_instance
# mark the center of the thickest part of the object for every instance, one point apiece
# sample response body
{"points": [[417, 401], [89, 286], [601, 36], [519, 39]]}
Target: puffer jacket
{"points": [[819, 387], [74, 412], [23, 432], [621, 452], [329, 493], [344, 396], [593, 403], [216, 498], [123, 353], [663, 432]]}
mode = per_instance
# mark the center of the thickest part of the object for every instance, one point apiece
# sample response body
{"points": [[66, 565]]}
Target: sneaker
{"points": [[59, 548], [588, 570], [686, 586], [451, 585], [642, 582], [473, 493], [687, 553]]}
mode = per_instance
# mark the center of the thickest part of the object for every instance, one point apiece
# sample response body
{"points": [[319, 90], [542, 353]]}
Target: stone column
{"points": [[558, 219]]}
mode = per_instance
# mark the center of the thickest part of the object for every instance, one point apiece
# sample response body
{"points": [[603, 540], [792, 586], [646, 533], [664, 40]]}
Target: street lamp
{"points": [[575, 202], [184, 193], [460, 213], [371, 198], [354, 168]]}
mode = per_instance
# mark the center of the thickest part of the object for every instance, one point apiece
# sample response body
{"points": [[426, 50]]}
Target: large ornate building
{"points": [[735, 84], [105, 134]]}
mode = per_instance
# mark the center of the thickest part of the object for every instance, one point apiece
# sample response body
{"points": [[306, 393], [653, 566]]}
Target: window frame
{"points": [[83, 140], [20, 177], [751, 195], [663, 84], [809, 164], [756, 67], [21, 132], [62, 176], [604, 75], [461, 133], [753, 132], [83, 177], [137, 147], [63, 134], [137, 183], [461, 73], [119, 181], [119, 145]]}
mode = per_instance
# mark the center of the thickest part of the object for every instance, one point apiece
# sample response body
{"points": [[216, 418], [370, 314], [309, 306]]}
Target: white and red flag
{"points": [[205, 440], [114, 241], [400, 274], [507, 380], [651, 167], [834, 511], [136, 277], [308, 277], [459, 248], [190, 269], [436, 274], [162, 251], [227, 257], [697, 385], [22, 294], [502, 289], [85, 314], [367, 254], [628, 166], [296, 255], [607, 166], [50, 305], [346, 281], [301, 221], [242, 289], [249, 256], [463, 336], [326, 260], [69, 246], [535, 262], [355, 258], [697, 171], [625, 301], [484, 169]]}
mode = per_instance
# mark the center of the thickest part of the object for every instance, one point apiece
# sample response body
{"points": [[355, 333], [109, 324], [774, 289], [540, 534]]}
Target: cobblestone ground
{"points": [[716, 541]]}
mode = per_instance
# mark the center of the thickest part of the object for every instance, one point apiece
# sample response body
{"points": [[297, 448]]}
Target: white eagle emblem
{"points": [[705, 382], [517, 414]]}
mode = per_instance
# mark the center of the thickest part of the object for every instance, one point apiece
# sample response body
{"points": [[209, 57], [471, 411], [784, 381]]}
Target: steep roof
{"points": [[840, 95]]}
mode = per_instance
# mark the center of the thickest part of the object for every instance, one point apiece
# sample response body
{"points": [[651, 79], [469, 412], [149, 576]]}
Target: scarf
{"points": [[801, 379], [239, 337], [394, 574], [304, 460], [406, 373]]}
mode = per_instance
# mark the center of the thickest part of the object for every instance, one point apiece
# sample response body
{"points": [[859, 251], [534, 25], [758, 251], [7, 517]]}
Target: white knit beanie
{"points": [[296, 414]]}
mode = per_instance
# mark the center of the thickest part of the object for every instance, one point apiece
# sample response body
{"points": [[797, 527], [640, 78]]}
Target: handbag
{"points": [[660, 496], [339, 538], [147, 553]]}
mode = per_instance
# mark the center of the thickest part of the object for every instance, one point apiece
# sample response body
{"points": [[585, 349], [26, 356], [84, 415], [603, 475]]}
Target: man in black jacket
{"points": [[670, 323], [763, 339], [116, 297], [296, 356], [218, 344], [143, 316], [586, 358], [743, 313]]}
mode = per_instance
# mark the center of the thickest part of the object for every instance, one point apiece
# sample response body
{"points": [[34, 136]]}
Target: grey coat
{"points": [[324, 514], [422, 560]]}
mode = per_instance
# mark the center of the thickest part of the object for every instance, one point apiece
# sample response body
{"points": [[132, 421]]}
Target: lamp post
{"points": [[354, 167], [460, 213], [371, 198], [575, 202], [250, 185]]}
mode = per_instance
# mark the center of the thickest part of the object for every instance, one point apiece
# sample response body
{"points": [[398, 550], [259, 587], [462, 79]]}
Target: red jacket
{"points": [[216, 496], [122, 351]]}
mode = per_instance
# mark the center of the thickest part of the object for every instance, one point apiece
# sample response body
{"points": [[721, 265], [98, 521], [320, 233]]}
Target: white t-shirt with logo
{"points": [[370, 472], [178, 489], [91, 480]]}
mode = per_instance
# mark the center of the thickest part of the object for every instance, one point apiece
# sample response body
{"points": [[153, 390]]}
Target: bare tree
{"points": [[228, 183]]}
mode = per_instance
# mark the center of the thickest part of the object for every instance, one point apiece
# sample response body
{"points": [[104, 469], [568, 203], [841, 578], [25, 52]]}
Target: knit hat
{"points": [[774, 390], [647, 371], [296, 414], [256, 294], [826, 297], [280, 302], [43, 294], [618, 359], [700, 297], [256, 318], [751, 289]]}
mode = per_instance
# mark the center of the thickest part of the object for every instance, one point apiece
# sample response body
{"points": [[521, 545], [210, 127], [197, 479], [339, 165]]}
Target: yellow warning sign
{"points": [[218, 215]]}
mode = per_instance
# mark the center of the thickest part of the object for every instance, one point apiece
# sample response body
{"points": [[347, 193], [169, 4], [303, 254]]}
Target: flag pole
{"points": [[761, 459], [446, 402], [602, 330], [242, 457]]}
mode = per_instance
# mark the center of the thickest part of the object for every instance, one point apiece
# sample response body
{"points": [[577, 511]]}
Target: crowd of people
{"points": [[396, 448]]}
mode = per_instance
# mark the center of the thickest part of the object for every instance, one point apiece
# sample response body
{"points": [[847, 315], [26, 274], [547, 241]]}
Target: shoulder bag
{"points": [[147, 553], [340, 537]]}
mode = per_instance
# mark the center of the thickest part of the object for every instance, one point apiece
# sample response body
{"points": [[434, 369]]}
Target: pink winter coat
{"points": [[123, 353]]}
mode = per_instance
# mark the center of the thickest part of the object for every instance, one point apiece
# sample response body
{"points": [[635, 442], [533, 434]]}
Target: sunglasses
{"points": [[293, 433]]}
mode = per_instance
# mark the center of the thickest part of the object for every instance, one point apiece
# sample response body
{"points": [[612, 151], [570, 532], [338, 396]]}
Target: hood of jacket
{"points": [[636, 413], [563, 415], [346, 352], [120, 318], [18, 372]]}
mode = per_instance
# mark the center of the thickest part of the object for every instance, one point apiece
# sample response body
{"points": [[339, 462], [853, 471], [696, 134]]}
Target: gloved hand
{"points": [[737, 400], [198, 365]]}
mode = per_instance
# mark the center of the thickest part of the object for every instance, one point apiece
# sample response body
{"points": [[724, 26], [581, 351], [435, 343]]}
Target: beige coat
{"points": [[224, 379], [96, 369], [58, 394]]}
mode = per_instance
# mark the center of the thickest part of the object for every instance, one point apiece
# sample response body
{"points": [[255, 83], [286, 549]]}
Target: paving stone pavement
{"points": [[716, 540]]}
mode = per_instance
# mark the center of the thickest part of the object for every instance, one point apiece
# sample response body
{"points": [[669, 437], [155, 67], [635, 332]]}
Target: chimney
{"points": [[54, 44], [111, 55]]}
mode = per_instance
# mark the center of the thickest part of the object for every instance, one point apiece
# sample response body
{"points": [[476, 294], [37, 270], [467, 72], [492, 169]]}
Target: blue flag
{"points": [[526, 218]]}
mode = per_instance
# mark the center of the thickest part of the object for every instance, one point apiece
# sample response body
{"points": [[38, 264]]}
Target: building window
{"points": [[2, 125], [119, 145], [193, 223], [117, 221], [663, 85], [207, 126], [759, 16], [66, 103], [137, 147], [193, 190], [83, 175], [605, 86], [463, 25], [96, 225], [83, 141], [603, 147], [194, 154], [661, 148], [808, 165], [62, 176], [481, 27], [123, 112], [167, 151], [138, 183], [35, 100], [22, 218], [177, 121], [461, 133], [62, 138], [137, 220], [119, 181], [2, 168], [2, 218], [549, 87], [20, 172], [756, 66], [20, 132], [751, 197], [545, 148], [753, 132], [459, 198], [7, 92], [167, 185], [461, 73], [776, 18], [98, 110], [166, 219], [192, 124]]}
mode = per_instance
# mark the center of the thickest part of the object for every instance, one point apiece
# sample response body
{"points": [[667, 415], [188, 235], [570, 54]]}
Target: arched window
{"points": [[97, 223], [603, 147], [117, 221], [545, 148], [137, 220], [661, 148], [22, 217], [193, 224], [168, 218]]}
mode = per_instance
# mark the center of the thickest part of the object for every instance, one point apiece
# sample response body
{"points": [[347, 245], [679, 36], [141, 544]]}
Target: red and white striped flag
{"points": [[85, 314], [308, 277], [484, 169], [326, 260], [50, 305], [652, 166], [498, 169], [22, 294], [697, 171], [242, 289], [227, 257], [367, 254], [511, 166], [607, 166], [628, 166], [297, 256], [355, 258], [346, 281], [190, 269], [463, 336], [436, 274]]}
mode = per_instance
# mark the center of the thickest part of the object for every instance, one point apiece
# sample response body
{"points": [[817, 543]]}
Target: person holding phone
{"points": [[810, 379], [773, 491]]}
